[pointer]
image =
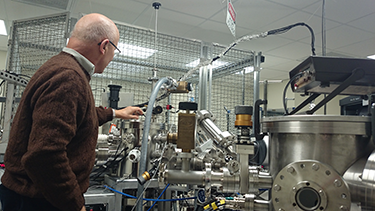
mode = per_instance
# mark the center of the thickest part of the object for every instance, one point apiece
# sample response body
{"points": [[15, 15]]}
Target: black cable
{"points": [[2, 82], [284, 93], [111, 163], [24, 75], [105, 164], [287, 28], [161, 97]]}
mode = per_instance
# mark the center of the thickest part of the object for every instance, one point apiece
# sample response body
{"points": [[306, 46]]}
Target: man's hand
{"points": [[83, 208], [129, 112]]}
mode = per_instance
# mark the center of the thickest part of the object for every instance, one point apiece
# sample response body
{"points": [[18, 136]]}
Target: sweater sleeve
{"points": [[54, 125], [104, 114]]}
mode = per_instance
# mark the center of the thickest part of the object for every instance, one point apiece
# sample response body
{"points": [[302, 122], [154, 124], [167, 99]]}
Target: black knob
{"points": [[243, 109], [157, 110], [192, 106]]}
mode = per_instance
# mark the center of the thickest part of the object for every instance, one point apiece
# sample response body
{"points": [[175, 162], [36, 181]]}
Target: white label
{"points": [[231, 18]]}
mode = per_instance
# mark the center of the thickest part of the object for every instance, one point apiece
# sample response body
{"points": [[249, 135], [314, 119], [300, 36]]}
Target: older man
{"points": [[51, 149]]}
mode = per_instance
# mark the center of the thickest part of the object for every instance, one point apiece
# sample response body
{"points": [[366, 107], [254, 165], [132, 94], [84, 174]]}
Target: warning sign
{"points": [[231, 18]]}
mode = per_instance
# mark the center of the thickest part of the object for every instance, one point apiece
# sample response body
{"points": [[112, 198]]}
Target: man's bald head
{"points": [[94, 28]]}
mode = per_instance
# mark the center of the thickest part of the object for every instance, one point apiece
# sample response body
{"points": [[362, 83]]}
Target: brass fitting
{"points": [[172, 138], [183, 87]]}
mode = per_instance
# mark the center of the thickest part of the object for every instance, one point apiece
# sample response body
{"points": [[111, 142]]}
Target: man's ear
{"points": [[103, 46]]}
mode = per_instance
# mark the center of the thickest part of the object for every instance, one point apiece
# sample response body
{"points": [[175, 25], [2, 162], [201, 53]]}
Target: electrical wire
{"points": [[146, 199], [286, 87], [145, 188], [287, 28], [248, 38], [159, 197], [111, 163], [161, 97], [1, 84]]}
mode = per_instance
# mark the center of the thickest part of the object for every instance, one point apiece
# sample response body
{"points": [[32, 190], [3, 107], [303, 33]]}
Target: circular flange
{"points": [[310, 185]]}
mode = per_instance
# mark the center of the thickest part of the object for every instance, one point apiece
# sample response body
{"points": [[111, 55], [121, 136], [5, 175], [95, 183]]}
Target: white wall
{"points": [[275, 95], [3, 57]]}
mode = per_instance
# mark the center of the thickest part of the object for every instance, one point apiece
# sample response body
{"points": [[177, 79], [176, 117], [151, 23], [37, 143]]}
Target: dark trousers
{"points": [[12, 201]]}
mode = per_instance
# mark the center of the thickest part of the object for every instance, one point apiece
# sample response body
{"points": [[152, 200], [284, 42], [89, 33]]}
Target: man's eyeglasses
{"points": [[111, 44]]}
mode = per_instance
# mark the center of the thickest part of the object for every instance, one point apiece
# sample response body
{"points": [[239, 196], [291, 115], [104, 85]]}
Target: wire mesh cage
{"points": [[33, 42], [143, 57]]}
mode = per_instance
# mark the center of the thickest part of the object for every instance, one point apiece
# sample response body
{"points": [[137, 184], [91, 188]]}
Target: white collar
{"points": [[86, 64]]}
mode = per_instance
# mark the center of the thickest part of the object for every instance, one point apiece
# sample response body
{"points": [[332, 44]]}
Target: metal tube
{"points": [[179, 177], [243, 86], [265, 96], [146, 130], [261, 205], [264, 181], [211, 128], [257, 75], [203, 88], [209, 91]]}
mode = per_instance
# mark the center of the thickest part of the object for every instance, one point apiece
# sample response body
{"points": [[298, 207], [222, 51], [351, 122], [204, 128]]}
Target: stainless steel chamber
{"points": [[309, 155]]}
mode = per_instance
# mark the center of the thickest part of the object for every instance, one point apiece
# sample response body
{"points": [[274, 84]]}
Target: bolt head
{"points": [[277, 187], [290, 170], [343, 208], [337, 183], [315, 167]]}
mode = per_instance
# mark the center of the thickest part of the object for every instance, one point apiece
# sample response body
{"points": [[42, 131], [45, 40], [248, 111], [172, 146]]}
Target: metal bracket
{"points": [[357, 74], [13, 78]]}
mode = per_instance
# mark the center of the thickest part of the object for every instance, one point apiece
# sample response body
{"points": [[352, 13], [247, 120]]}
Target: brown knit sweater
{"points": [[51, 149]]}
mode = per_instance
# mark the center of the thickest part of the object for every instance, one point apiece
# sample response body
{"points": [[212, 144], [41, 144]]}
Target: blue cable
{"points": [[120, 192], [159, 197], [157, 200]]}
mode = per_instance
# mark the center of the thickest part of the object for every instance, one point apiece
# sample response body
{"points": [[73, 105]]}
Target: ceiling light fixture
{"points": [[3, 30], [135, 51], [247, 70], [214, 64]]}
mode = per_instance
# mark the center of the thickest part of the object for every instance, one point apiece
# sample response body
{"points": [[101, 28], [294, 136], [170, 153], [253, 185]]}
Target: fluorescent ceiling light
{"points": [[3, 30], [214, 64], [275, 81], [247, 70], [371, 56], [135, 51]]}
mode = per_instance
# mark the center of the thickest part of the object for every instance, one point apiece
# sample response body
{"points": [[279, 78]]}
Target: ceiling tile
{"points": [[296, 4], [366, 23], [118, 12], [268, 74], [292, 51], [362, 49], [344, 11], [345, 35]]}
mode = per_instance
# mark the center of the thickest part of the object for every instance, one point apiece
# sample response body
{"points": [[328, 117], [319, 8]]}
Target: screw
{"points": [[277, 187], [290, 170], [294, 189], [321, 192], [343, 208], [281, 209], [337, 183], [315, 166]]}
